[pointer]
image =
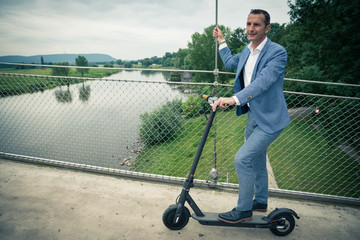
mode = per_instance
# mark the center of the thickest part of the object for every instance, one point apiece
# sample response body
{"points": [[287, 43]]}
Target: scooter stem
{"points": [[201, 145]]}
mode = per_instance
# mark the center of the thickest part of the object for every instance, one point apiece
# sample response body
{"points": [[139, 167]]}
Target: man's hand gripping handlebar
{"points": [[222, 102], [211, 100]]}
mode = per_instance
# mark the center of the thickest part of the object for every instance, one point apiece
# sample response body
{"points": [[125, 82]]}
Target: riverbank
{"points": [[15, 85]]}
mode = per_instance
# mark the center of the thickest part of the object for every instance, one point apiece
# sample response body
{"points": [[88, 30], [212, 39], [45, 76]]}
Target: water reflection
{"points": [[84, 92], [63, 96]]}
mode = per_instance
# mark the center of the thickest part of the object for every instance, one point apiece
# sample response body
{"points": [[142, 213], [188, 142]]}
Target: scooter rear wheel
{"points": [[168, 218], [284, 224]]}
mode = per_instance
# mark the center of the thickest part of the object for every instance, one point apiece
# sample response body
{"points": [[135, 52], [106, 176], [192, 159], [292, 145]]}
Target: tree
{"points": [[146, 62], [323, 43], [276, 32], [127, 64], [42, 62], [61, 71], [180, 58], [168, 59], [325, 33], [202, 54], [238, 40], [82, 61], [119, 62], [155, 60]]}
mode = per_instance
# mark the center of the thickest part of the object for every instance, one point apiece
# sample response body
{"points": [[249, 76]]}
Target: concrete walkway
{"points": [[41, 202]]}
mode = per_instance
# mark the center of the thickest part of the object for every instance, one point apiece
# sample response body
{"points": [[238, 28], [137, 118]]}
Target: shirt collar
{"points": [[260, 47]]}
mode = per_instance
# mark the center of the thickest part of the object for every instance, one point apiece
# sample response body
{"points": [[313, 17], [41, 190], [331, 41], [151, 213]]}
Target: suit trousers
{"points": [[250, 165]]}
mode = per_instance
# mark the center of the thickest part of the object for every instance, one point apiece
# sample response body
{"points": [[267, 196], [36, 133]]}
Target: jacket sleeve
{"points": [[231, 62]]}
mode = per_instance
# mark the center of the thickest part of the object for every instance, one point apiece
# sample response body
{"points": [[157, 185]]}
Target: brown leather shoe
{"points": [[259, 207], [235, 216]]}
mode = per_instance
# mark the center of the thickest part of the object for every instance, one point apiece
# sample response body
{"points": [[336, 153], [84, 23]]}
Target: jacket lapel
{"points": [[243, 59], [262, 53], [239, 80], [238, 85]]}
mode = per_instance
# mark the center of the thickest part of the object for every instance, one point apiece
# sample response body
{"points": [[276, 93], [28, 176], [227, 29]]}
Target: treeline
{"points": [[322, 41]]}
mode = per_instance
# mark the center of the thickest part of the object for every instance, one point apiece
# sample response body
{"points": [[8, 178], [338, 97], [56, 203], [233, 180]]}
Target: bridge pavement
{"points": [[41, 202]]}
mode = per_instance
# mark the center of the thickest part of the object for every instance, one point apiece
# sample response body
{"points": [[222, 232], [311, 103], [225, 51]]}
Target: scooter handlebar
{"points": [[210, 99]]}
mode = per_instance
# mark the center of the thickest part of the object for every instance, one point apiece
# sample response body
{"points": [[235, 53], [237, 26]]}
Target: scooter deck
{"points": [[257, 221]]}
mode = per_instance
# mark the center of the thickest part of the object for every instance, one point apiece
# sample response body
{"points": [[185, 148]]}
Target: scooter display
{"points": [[280, 221]]}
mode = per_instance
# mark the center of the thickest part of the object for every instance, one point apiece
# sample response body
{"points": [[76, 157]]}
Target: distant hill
{"points": [[56, 58]]}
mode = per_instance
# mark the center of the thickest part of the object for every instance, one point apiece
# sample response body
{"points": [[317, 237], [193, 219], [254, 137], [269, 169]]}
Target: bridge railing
{"points": [[151, 128]]}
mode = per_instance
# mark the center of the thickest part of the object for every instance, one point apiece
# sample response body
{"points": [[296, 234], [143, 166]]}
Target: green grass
{"points": [[301, 157], [304, 160], [175, 157]]}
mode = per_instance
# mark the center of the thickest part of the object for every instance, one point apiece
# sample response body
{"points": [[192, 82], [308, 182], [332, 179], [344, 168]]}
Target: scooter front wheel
{"points": [[284, 224], [168, 218]]}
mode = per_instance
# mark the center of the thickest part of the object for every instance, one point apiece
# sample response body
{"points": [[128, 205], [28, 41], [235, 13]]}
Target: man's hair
{"points": [[265, 13]]}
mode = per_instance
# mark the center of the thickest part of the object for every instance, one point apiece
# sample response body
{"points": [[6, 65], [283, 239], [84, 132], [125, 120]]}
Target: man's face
{"points": [[255, 28]]}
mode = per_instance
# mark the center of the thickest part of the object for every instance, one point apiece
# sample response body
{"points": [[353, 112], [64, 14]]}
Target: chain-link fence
{"points": [[141, 123]]}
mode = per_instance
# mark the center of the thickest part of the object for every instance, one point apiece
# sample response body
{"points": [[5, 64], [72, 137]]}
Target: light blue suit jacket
{"points": [[265, 92]]}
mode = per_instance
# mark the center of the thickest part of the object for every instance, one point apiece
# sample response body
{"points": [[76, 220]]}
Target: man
{"points": [[258, 91]]}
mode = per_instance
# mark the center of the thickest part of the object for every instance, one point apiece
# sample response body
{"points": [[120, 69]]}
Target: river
{"points": [[93, 123]]}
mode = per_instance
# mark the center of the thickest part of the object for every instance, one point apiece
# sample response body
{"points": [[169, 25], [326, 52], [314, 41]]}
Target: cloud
{"points": [[122, 29]]}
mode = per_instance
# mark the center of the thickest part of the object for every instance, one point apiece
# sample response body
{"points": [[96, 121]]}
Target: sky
{"points": [[127, 30]]}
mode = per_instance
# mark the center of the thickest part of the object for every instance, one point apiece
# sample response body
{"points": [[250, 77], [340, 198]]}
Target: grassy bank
{"points": [[301, 158], [304, 160], [13, 85], [93, 73], [175, 157]]}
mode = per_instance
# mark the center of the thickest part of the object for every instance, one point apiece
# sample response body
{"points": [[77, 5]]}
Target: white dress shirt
{"points": [[250, 63]]}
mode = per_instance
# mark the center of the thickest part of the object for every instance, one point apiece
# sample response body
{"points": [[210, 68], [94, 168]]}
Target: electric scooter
{"points": [[280, 221]]}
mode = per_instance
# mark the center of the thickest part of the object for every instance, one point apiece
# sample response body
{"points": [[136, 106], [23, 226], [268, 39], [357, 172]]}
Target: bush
{"points": [[57, 71], [193, 107], [162, 124]]}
